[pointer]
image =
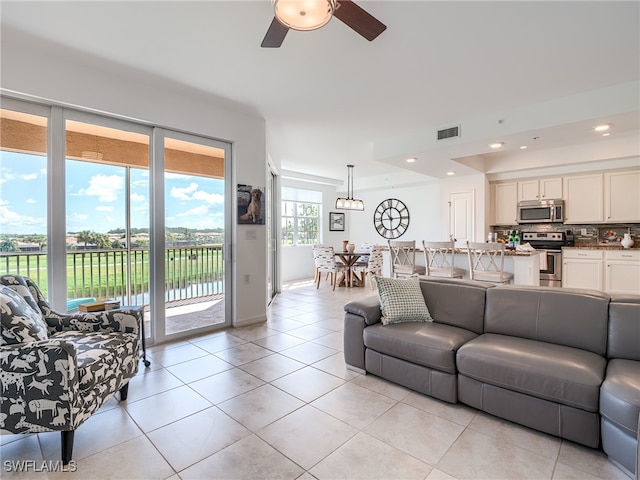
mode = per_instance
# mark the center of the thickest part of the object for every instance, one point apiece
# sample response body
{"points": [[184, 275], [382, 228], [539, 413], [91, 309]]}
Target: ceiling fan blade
{"points": [[359, 19], [275, 35]]}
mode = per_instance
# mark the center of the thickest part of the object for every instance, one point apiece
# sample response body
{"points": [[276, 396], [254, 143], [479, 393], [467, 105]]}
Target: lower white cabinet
{"points": [[622, 271], [583, 269], [613, 271]]}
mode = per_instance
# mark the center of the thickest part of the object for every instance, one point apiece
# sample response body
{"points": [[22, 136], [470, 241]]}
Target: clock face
{"points": [[391, 218]]}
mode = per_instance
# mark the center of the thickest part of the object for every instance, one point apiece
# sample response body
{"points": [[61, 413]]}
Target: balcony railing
{"points": [[190, 273]]}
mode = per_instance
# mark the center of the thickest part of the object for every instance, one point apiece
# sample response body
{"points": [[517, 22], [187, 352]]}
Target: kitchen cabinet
{"points": [[622, 196], [583, 196], [540, 189], [582, 269], [622, 273], [505, 203]]}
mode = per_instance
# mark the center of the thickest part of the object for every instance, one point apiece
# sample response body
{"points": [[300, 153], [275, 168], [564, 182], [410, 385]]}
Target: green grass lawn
{"points": [[103, 273]]}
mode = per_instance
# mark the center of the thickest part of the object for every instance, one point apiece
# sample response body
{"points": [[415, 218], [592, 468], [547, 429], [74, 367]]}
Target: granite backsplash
{"points": [[590, 237]]}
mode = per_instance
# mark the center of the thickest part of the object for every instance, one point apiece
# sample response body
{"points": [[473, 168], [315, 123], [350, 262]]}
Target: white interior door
{"points": [[461, 217]]}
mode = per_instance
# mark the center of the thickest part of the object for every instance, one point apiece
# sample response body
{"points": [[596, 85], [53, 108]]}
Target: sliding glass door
{"points": [[98, 208], [196, 200], [24, 175]]}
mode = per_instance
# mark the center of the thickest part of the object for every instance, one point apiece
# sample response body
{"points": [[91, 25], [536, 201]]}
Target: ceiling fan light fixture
{"points": [[304, 15], [349, 203]]}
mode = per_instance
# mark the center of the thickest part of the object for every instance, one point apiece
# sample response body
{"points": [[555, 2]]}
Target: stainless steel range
{"points": [[552, 243]]}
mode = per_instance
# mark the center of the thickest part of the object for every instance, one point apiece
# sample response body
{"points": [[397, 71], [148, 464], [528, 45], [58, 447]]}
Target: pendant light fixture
{"points": [[349, 203]]}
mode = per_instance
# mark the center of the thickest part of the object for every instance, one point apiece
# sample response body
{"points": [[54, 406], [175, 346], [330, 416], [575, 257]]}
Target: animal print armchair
{"points": [[58, 369]]}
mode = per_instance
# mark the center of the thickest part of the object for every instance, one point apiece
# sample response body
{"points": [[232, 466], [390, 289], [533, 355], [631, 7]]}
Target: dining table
{"points": [[349, 259]]}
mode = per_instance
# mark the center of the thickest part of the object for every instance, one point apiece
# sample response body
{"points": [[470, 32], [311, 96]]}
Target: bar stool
{"points": [[486, 262], [438, 259]]}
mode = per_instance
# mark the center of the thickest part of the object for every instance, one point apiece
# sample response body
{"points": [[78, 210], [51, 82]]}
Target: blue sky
{"points": [[95, 197]]}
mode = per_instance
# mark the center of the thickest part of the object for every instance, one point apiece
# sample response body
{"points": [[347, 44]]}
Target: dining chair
{"points": [[325, 261], [438, 259], [315, 254], [364, 259], [486, 262], [403, 258], [373, 266]]}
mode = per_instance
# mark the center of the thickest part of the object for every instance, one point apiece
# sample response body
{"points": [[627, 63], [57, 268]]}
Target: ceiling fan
{"points": [[313, 14]]}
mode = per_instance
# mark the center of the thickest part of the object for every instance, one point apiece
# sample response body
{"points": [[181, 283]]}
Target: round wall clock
{"points": [[391, 218]]}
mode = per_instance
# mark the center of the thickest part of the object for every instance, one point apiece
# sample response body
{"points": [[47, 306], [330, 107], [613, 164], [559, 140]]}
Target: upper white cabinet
{"points": [[583, 196], [542, 189], [622, 196], [505, 203]]}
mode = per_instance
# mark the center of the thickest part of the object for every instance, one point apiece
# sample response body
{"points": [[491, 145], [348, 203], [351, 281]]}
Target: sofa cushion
{"points": [[100, 355], [560, 374], [620, 395], [456, 302], [573, 318], [20, 322], [624, 329], [428, 344], [401, 300]]}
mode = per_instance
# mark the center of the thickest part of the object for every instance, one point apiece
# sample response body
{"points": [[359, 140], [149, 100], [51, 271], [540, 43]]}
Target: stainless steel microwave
{"points": [[541, 211]]}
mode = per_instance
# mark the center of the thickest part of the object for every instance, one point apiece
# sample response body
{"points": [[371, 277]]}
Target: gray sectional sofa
{"points": [[565, 362]]}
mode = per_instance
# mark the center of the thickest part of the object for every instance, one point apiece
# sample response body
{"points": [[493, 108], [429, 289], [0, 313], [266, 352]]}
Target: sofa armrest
{"points": [[124, 320], [368, 308], [358, 315], [39, 377]]}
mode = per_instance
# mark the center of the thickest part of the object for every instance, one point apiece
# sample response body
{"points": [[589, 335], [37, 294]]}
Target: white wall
{"points": [[425, 209], [425, 214], [31, 68], [297, 262]]}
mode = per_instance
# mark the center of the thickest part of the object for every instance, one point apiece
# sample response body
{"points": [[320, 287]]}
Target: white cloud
{"points": [[210, 198], [105, 187], [192, 193], [9, 219], [31, 200], [136, 197], [104, 208], [201, 210], [184, 193], [29, 176]]}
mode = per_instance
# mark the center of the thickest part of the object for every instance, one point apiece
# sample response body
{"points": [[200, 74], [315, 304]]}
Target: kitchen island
{"points": [[525, 266]]}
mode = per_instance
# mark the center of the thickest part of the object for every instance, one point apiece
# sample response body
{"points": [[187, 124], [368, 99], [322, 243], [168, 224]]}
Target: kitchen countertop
{"points": [[507, 253], [595, 246]]}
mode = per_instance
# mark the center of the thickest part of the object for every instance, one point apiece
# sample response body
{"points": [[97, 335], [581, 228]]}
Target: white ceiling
{"points": [[504, 71]]}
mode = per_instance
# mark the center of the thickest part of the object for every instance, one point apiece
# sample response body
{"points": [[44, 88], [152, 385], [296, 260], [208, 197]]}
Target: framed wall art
{"points": [[251, 205], [336, 222]]}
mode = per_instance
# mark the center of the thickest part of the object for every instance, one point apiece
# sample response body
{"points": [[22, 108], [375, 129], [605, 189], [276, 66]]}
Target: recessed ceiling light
{"points": [[602, 128], [523, 147], [496, 145], [411, 160], [451, 173]]}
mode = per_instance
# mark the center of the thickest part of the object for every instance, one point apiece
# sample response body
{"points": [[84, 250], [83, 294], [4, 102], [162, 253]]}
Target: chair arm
{"points": [[124, 320], [39, 381]]}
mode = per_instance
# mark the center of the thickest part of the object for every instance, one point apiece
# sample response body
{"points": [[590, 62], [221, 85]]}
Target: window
{"points": [[300, 216]]}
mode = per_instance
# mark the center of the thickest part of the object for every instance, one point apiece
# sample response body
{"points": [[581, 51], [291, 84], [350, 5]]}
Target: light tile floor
{"points": [[276, 401]]}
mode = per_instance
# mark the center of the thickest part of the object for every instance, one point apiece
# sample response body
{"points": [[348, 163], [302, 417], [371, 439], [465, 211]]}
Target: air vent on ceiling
{"points": [[449, 132]]}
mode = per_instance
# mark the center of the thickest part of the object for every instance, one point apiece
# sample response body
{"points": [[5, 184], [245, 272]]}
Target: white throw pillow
{"points": [[401, 300]]}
